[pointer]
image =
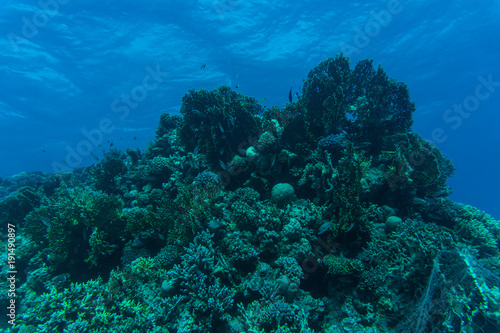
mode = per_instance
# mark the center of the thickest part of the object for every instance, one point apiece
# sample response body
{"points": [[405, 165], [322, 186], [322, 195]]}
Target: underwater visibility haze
{"points": [[250, 166]]}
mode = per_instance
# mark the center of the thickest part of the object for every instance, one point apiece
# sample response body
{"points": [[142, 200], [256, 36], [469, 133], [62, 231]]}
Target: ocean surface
{"points": [[66, 65]]}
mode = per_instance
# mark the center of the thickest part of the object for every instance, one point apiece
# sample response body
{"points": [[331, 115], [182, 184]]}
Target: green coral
{"points": [[413, 162], [87, 307], [159, 170], [341, 265], [195, 205], [217, 122], [99, 247], [106, 174], [62, 223], [244, 216], [160, 166], [15, 207], [267, 143], [167, 123], [348, 189], [478, 229], [140, 219], [324, 97], [362, 101]]}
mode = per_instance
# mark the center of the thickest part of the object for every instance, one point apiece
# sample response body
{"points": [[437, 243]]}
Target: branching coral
{"points": [[217, 122], [363, 101]]}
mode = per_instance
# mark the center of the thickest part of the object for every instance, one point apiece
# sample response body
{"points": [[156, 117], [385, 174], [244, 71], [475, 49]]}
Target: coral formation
{"points": [[217, 122], [326, 215]]}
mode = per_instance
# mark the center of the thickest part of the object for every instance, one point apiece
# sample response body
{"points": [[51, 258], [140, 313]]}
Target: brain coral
{"points": [[282, 194]]}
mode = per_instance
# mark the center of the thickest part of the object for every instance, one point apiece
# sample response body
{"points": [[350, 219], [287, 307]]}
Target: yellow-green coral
{"points": [[342, 266], [478, 229], [99, 248]]}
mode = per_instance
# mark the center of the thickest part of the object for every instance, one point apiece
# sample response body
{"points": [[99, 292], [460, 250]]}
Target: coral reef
{"points": [[326, 215]]}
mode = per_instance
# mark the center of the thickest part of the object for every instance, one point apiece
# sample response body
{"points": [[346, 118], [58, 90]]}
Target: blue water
{"points": [[80, 76]]}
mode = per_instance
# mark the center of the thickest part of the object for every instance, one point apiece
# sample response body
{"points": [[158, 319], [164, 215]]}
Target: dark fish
{"points": [[135, 138], [203, 66], [290, 95], [237, 86]]}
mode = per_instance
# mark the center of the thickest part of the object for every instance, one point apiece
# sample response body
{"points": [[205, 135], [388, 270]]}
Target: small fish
{"points": [[195, 151], [43, 151], [363, 145], [94, 156], [223, 166], [203, 66], [262, 100], [111, 144], [221, 128], [221, 151], [350, 227], [45, 221], [237, 86], [213, 224], [290, 95], [324, 227], [273, 160], [197, 112], [442, 193], [135, 138]]}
